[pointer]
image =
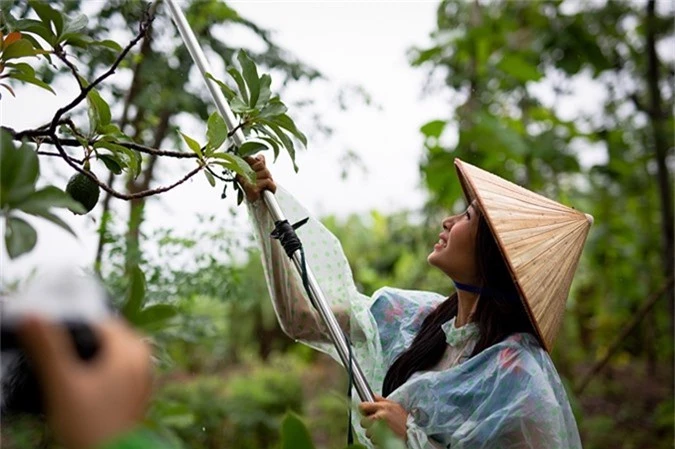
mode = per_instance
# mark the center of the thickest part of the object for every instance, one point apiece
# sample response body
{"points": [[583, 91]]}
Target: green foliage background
{"points": [[227, 372]]}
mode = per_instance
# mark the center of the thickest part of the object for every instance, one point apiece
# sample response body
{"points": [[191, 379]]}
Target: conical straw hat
{"points": [[540, 239]]}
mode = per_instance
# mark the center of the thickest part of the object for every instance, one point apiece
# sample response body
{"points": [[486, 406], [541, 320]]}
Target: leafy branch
{"points": [[260, 116]]}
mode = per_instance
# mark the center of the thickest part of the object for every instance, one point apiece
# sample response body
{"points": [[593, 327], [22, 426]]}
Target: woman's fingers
{"points": [[263, 181], [368, 408]]}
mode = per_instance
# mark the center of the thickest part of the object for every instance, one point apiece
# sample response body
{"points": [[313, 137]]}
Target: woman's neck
{"points": [[466, 303]]}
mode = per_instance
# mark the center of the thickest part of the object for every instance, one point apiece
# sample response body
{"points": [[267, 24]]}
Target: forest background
{"points": [[572, 99]]}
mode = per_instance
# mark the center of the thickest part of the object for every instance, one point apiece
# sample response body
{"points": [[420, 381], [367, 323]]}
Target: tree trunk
{"points": [[662, 140], [134, 89], [137, 205]]}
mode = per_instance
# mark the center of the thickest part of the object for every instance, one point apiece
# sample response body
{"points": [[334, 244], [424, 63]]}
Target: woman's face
{"points": [[455, 252]]}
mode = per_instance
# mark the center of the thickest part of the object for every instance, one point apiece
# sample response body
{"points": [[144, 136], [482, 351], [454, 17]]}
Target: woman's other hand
{"points": [[385, 410], [90, 403], [263, 180]]}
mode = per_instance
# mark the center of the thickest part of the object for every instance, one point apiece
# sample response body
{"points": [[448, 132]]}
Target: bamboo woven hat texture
{"points": [[540, 239]]}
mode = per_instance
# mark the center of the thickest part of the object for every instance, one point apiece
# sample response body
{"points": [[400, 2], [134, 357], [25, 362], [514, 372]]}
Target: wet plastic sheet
{"points": [[507, 397]]}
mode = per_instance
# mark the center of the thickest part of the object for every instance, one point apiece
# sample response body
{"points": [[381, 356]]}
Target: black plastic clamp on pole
{"points": [[285, 233]]}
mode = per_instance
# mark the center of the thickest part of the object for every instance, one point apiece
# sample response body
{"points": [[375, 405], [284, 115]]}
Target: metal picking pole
{"points": [[318, 298]]}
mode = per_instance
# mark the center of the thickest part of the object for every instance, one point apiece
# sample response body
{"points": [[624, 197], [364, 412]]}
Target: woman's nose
{"points": [[448, 223]]}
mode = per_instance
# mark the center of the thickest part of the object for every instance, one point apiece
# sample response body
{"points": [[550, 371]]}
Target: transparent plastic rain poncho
{"points": [[507, 397]]}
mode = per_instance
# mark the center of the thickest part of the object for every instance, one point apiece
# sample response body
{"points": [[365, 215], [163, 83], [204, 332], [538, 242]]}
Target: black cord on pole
{"points": [[289, 240]]}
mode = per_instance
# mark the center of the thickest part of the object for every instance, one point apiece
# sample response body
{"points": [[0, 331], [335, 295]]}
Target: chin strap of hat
{"points": [[290, 242], [480, 290]]}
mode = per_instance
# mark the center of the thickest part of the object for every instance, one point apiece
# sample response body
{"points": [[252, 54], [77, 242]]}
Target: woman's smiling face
{"points": [[455, 252]]}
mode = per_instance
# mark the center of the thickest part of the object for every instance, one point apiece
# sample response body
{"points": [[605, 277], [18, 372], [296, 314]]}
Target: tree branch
{"points": [[115, 193], [143, 27], [47, 153], [58, 51]]}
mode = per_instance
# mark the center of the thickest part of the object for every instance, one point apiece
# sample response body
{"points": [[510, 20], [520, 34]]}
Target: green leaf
{"points": [[111, 162], [46, 198], [251, 147], [74, 25], [20, 237], [273, 110], [77, 40], [54, 219], [236, 76], [265, 91], [109, 44], [135, 294], [19, 49], [250, 73], [36, 27], [433, 128], [238, 106], [236, 164], [48, 14], [229, 93], [274, 144], [194, 146], [210, 178], [31, 80], [294, 433], [287, 123], [19, 170], [519, 68], [101, 109], [21, 67], [285, 140], [216, 131], [155, 315], [133, 158]]}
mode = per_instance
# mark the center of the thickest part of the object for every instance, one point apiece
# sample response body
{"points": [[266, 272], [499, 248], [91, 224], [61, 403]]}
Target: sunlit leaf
{"points": [[193, 145]]}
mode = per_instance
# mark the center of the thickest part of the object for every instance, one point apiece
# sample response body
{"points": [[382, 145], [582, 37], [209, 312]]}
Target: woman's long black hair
{"points": [[498, 314]]}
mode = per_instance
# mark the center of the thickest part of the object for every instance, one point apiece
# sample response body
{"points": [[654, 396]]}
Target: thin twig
{"points": [[47, 153], [58, 51], [222, 178], [143, 27], [123, 196]]}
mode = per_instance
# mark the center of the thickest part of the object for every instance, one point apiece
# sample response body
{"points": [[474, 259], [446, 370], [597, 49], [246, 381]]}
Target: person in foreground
{"points": [[96, 404], [471, 370]]}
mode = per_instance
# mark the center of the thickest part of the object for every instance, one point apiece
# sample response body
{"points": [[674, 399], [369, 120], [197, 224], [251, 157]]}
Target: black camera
{"points": [[76, 301]]}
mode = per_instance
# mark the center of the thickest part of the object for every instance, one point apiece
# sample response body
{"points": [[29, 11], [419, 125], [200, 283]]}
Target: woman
{"points": [[469, 371]]}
